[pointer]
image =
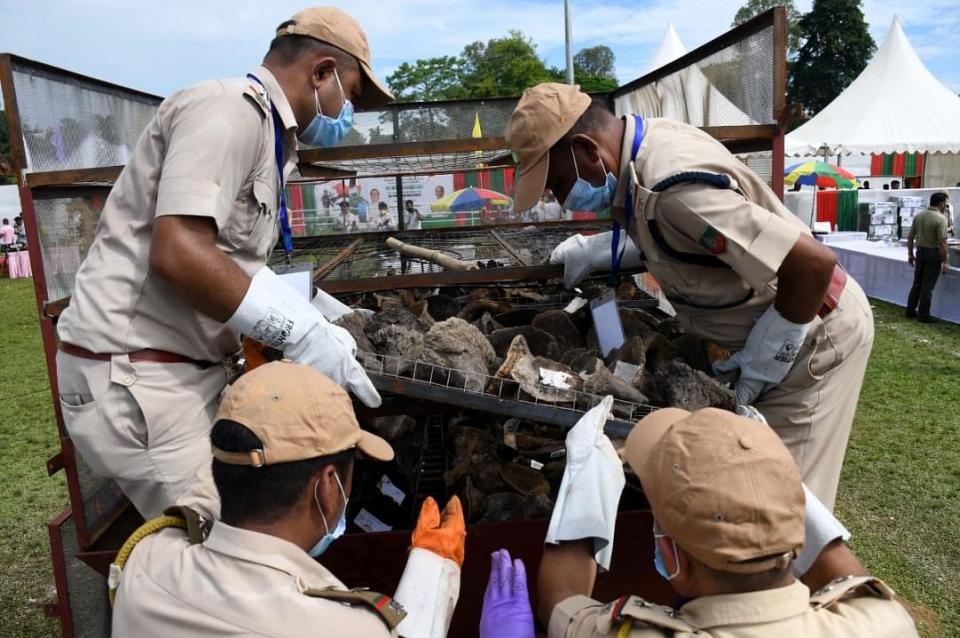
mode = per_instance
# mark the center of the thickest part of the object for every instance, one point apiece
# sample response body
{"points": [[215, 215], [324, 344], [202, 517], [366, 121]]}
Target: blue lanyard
{"points": [[616, 255], [286, 235]]}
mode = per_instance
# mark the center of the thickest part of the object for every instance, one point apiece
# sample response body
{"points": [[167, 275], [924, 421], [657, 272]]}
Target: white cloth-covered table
{"points": [[883, 273]]}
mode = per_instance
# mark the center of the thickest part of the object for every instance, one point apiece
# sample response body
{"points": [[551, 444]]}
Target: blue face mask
{"points": [[584, 196], [658, 557], [340, 528], [326, 131]]}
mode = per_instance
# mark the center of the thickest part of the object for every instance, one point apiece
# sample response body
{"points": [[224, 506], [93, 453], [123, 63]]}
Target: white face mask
{"points": [[341, 527]]}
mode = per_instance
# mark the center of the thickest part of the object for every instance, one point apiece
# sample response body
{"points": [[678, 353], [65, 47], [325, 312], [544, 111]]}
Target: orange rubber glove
{"points": [[443, 534]]}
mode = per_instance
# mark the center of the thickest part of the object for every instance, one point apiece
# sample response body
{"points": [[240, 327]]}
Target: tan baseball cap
{"points": [[297, 413], [722, 486], [333, 26], [543, 115]]}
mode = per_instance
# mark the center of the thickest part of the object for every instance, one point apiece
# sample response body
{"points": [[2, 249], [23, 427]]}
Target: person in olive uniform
{"points": [[929, 233]]}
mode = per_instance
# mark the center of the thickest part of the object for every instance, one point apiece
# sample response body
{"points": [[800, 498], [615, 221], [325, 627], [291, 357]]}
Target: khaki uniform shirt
{"points": [[751, 231], [236, 583], [208, 152], [929, 228], [854, 609]]}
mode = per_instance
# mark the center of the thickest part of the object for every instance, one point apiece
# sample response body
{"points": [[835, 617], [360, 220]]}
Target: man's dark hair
{"points": [[382, 205], [938, 198], [596, 117], [287, 49], [262, 494], [409, 201], [734, 583]]}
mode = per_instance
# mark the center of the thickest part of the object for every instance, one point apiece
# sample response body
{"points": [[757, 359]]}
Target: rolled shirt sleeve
{"points": [[752, 240], [213, 144], [575, 617]]}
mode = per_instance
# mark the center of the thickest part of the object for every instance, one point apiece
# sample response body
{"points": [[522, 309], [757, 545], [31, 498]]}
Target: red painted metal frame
{"points": [[61, 608], [66, 460]]}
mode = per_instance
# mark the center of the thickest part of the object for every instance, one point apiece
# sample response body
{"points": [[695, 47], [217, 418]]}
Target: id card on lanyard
{"points": [[286, 235], [616, 253]]}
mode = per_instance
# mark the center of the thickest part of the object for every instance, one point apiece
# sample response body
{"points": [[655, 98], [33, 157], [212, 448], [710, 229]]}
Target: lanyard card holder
{"points": [[606, 320], [299, 277]]}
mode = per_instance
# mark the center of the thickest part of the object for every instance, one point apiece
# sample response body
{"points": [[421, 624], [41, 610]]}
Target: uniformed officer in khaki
{"points": [[728, 508], [739, 268], [284, 445], [177, 271]]}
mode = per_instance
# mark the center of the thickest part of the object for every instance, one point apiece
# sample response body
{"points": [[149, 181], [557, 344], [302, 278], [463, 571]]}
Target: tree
{"points": [[427, 80], [502, 66], [836, 48], [754, 8], [596, 61]]}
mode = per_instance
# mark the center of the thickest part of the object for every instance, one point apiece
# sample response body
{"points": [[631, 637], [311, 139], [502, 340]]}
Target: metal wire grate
{"points": [[731, 87], [69, 122], [372, 258], [445, 384]]}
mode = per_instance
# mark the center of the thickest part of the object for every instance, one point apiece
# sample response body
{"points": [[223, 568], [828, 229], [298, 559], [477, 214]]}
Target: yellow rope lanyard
{"points": [[152, 526]]}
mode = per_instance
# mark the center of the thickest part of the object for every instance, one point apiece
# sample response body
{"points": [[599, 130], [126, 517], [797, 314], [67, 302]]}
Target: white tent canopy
{"points": [[685, 95], [669, 50], [894, 106]]}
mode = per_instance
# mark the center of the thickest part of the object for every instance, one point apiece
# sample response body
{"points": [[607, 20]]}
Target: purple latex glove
{"points": [[506, 603]]}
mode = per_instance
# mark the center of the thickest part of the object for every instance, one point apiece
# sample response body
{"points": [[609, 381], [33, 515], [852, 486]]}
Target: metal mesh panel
{"points": [[86, 589], [731, 87], [762, 166], [67, 226], [71, 123], [372, 258], [414, 164]]}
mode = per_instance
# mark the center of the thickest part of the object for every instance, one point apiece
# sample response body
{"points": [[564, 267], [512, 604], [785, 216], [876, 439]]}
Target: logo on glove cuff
{"points": [[788, 352], [274, 329]]}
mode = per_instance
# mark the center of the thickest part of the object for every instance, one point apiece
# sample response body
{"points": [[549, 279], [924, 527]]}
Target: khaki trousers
{"points": [[146, 426], [812, 410]]}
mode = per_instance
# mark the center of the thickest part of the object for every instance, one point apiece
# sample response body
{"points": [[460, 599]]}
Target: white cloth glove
{"points": [[428, 590], [276, 315], [582, 255], [330, 307], [822, 528], [589, 493], [771, 349]]}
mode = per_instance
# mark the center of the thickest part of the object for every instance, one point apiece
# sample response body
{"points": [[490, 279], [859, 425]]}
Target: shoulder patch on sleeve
{"points": [[627, 610], [386, 608], [713, 240], [257, 95], [848, 585]]}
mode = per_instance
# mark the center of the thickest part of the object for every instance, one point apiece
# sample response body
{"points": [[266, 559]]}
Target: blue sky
{"points": [[161, 46]]}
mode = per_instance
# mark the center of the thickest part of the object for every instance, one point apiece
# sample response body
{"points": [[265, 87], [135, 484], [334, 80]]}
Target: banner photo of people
{"points": [[421, 202]]}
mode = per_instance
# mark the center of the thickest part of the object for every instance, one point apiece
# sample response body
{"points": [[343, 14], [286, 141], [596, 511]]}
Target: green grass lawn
{"points": [[899, 495], [28, 437]]}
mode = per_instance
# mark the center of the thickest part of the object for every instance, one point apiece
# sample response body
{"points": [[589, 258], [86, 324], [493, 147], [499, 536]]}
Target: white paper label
{"points": [[576, 304], [555, 378], [391, 491], [626, 371], [537, 465], [370, 523]]}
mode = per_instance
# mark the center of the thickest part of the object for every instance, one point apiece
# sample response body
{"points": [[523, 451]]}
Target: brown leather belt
{"points": [[838, 282], [145, 355]]}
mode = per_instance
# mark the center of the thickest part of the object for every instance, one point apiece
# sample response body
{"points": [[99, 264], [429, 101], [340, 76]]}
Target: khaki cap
{"points": [[297, 413], [722, 486], [544, 115], [335, 27]]}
